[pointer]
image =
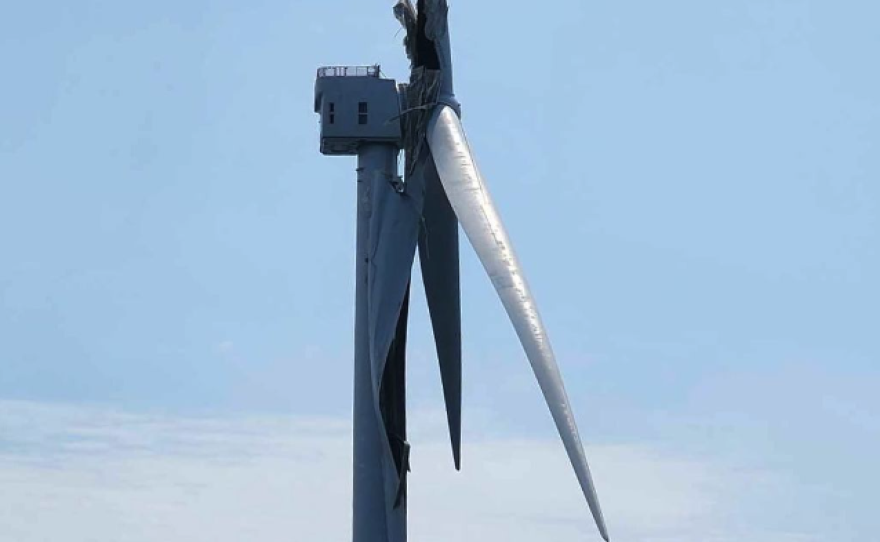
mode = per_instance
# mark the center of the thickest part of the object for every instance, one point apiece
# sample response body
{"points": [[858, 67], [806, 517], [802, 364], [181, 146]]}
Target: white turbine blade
{"points": [[475, 211]]}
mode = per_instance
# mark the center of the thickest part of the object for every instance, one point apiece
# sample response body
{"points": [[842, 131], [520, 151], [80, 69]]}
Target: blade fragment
{"points": [[392, 219]]}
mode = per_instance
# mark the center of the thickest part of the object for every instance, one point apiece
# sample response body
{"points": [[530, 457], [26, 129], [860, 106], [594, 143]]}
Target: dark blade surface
{"points": [[481, 223], [438, 255]]}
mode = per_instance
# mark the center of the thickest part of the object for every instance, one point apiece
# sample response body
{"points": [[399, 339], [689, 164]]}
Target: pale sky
{"points": [[692, 187]]}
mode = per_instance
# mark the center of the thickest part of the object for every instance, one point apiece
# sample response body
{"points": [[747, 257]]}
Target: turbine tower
{"points": [[366, 115]]}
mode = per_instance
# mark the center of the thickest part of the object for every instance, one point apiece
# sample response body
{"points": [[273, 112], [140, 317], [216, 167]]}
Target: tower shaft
{"points": [[372, 520]]}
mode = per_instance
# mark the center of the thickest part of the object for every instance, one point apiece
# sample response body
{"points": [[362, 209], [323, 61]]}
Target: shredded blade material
{"points": [[481, 223]]}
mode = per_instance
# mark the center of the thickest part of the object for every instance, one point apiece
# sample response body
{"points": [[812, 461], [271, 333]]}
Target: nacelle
{"points": [[356, 106]]}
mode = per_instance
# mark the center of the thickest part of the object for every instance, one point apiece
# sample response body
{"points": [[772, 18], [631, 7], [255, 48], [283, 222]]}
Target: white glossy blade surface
{"points": [[481, 223]]}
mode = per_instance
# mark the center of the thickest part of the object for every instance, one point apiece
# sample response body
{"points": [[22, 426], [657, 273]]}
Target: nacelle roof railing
{"points": [[349, 71]]}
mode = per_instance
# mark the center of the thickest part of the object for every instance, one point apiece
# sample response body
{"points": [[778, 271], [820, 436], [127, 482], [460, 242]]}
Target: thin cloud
{"points": [[79, 473]]}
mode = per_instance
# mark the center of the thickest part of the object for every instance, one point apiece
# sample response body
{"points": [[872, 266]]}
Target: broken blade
{"points": [[438, 255]]}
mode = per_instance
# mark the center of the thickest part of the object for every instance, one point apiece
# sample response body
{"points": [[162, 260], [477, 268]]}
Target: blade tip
{"points": [[604, 532]]}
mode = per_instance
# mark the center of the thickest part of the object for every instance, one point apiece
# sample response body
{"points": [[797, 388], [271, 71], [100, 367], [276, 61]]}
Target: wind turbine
{"points": [[366, 115]]}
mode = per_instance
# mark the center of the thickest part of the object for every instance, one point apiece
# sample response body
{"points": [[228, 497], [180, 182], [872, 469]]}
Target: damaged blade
{"points": [[392, 401], [475, 210], [438, 255], [393, 219]]}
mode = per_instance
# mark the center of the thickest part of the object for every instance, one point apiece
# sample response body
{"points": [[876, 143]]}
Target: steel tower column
{"points": [[370, 520]]}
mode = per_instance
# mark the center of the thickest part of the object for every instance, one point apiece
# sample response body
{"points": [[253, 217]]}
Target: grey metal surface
{"points": [[482, 224], [394, 228], [369, 521], [438, 256], [356, 105], [394, 233], [388, 227]]}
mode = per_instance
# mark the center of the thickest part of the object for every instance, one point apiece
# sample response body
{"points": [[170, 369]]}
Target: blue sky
{"points": [[692, 188]]}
